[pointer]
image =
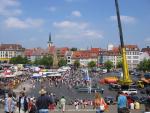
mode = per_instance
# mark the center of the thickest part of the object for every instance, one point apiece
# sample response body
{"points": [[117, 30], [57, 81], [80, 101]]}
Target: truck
{"points": [[130, 91]]}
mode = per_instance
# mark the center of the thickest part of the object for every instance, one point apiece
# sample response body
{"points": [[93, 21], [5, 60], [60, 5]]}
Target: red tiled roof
{"points": [[84, 54], [28, 52], [96, 50], [11, 47], [131, 47]]}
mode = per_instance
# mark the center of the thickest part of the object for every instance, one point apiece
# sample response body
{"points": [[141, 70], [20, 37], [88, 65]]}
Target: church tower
{"points": [[50, 43]]}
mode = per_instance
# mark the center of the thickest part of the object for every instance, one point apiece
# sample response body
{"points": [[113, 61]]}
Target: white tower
{"points": [[110, 47]]}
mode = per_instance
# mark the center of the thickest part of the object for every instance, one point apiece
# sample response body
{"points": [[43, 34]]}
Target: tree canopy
{"points": [[73, 49], [77, 64], [62, 62], [108, 65], [46, 61], [144, 65], [91, 64], [19, 60], [119, 64]]}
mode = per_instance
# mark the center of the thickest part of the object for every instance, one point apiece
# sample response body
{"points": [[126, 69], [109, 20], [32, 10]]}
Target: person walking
{"points": [[63, 103], [99, 103], [122, 103], [31, 105], [147, 105], [43, 102], [23, 103], [9, 106]]}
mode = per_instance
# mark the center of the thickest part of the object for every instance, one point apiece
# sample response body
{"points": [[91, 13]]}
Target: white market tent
{"points": [[36, 75]]}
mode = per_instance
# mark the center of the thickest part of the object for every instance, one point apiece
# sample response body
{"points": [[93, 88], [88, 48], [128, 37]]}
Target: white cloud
{"points": [[93, 33], [13, 22], [125, 19], [74, 30], [76, 13], [52, 9], [9, 8], [70, 24]]}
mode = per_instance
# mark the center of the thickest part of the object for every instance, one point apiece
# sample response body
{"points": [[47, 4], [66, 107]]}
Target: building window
{"points": [[129, 61], [129, 57], [135, 57], [135, 61]]}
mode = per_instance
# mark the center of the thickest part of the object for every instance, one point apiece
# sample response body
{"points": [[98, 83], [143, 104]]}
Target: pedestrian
{"points": [[23, 103], [102, 90], [122, 103], [99, 104], [63, 103], [43, 102], [132, 105], [31, 105], [9, 106], [147, 105], [136, 105], [76, 104]]}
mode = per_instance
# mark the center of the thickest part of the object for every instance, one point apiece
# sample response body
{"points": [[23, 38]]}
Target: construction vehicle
{"points": [[140, 84], [126, 80]]}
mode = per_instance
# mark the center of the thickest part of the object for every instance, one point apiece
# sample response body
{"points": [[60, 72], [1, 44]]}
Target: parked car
{"points": [[115, 87], [143, 100], [135, 98], [85, 89], [109, 100], [130, 91]]}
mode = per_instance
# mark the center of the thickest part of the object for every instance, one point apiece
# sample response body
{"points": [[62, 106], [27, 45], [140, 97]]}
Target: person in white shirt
{"points": [[131, 105], [76, 104], [62, 103]]}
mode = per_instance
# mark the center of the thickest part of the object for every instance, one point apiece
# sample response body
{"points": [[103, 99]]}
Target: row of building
{"points": [[133, 54]]}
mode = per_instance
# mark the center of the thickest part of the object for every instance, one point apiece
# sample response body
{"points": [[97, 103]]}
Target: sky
{"points": [[73, 23]]}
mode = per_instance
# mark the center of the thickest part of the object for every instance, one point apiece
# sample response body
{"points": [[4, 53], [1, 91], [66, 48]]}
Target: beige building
{"points": [[8, 51]]}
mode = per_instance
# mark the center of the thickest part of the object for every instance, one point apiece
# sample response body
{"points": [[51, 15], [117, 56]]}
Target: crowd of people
{"points": [[46, 101]]}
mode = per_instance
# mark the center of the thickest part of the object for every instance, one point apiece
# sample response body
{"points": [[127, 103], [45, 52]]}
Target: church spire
{"points": [[50, 41]]}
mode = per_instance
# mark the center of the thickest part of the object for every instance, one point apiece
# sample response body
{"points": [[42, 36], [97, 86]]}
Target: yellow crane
{"points": [[126, 80]]}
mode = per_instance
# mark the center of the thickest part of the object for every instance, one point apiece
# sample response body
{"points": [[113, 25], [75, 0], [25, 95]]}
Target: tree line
{"points": [[48, 62]]}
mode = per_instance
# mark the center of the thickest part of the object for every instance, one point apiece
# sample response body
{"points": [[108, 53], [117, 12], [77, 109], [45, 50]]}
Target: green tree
{"points": [[119, 64], [62, 62], [144, 65], [13, 60], [19, 60], [91, 64], [108, 65], [46, 61], [73, 49], [77, 64], [37, 61]]}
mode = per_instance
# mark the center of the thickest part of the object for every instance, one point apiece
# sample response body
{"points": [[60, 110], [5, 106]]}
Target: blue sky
{"points": [[73, 23]]}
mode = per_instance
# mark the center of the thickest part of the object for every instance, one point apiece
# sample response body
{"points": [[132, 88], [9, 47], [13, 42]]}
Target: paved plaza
{"points": [[70, 95], [70, 109]]}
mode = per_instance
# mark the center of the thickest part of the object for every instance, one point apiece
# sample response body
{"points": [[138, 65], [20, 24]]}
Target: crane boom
{"points": [[126, 77]]}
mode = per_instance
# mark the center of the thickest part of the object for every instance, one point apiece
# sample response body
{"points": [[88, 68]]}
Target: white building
{"points": [[132, 55], [68, 57], [110, 55], [84, 57]]}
